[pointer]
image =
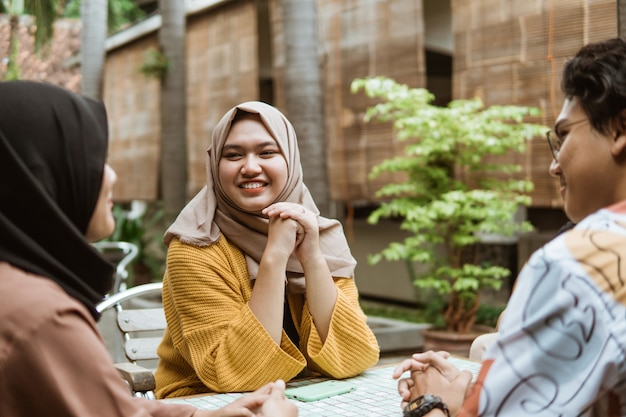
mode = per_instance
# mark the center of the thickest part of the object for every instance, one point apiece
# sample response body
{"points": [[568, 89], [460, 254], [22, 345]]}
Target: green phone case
{"points": [[319, 390]]}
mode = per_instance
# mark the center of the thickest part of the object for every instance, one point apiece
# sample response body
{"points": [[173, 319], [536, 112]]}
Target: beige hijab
{"points": [[211, 212]]}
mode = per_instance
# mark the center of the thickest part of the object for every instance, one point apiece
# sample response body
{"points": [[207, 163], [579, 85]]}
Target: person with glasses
{"points": [[561, 347]]}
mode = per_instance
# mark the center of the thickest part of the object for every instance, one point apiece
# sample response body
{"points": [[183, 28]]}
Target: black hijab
{"points": [[53, 146]]}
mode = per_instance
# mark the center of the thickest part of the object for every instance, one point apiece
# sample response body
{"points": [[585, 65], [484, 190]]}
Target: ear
{"points": [[618, 147]]}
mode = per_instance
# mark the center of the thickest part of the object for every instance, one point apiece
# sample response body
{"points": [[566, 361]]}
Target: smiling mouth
{"points": [[252, 185]]}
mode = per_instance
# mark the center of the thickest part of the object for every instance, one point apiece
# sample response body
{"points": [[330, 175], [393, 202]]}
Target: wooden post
{"points": [[621, 18]]}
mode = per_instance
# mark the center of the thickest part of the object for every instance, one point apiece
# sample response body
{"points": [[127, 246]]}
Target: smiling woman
{"points": [[252, 169], [258, 285], [56, 195]]}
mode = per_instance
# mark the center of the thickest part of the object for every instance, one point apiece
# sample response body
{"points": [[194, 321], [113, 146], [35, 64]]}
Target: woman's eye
{"points": [[269, 152], [231, 155]]}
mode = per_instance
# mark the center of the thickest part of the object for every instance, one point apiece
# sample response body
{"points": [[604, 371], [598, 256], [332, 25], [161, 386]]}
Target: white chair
{"points": [[139, 324], [121, 254]]}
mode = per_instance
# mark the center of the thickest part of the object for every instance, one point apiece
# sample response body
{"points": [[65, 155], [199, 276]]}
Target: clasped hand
{"points": [[432, 373], [291, 218]]}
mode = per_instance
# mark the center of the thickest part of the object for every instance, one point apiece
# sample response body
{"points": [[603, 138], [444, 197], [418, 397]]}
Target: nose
{"points": [[250, 166], [555, 168], [112, 174]]}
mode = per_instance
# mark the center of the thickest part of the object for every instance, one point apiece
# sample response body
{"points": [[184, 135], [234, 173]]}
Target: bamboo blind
{"points": [[512, 52], [359, 39], [505, 51], [132, 101], [222, 71]]}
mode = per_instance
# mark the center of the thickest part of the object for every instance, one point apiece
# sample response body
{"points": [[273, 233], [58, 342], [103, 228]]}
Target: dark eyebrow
{"points": [[259, 146], [566, 122], [268, 143], [226, 147]]}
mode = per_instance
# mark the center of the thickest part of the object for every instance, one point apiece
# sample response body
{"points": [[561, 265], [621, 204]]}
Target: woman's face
{"points": [[102, 222], [252, 170]]}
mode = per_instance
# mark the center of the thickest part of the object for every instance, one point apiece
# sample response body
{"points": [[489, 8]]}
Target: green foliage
{"points": [[123, 12], [13, 70], [44, 13], [394, 311], [446, 216], [155, 64], [141, 226], [488, 315], [120, 13]]}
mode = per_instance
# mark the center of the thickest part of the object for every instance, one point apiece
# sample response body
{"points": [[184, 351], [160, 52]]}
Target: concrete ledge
{"points": [[396, 335]]}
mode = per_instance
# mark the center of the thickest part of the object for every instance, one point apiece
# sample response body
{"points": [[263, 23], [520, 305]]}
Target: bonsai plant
{"points": [[453, 191]]}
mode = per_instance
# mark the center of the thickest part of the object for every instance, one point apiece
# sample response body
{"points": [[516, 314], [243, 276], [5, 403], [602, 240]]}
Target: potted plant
{"points": [[453, 190]]}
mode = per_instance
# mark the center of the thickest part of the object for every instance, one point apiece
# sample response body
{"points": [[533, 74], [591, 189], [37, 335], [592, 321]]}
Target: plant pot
{"points": [[397, 335], [453, 342]]}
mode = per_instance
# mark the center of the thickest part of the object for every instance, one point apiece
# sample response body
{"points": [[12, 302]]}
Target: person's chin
{"points": [[567, 208], [252, 207], [573, 215]]}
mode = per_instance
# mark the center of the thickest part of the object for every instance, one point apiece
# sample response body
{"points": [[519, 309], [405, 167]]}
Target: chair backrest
{"points": [[121, 254], [139, 322]]}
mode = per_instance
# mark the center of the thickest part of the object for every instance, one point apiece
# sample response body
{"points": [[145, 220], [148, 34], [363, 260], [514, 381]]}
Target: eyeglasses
{"points": [[555, 142]]}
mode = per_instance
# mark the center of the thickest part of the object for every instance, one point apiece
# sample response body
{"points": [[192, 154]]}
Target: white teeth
{"points": [[252, 185]]}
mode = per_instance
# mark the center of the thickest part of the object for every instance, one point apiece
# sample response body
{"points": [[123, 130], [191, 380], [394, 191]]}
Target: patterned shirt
{"points": [[562, 341]]}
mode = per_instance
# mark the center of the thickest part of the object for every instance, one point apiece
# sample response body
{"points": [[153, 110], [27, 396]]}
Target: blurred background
{"points": [[168, 70]]}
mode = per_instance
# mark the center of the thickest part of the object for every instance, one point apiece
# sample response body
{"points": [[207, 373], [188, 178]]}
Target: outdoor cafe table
{"points": [[376, 395]]}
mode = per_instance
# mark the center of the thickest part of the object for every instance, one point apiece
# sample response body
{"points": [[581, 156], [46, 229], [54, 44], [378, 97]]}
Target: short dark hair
{"points": [[597, 77]]}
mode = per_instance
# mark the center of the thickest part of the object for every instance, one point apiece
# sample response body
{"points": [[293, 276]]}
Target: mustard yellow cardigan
{"points": [[214, 343]]}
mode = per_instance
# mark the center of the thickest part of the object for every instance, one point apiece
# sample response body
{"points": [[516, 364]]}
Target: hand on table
{"points": [[432, 373], [277, 405], [269, 400]]}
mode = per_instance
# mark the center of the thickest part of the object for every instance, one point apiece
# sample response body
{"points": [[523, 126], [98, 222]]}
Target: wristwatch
{"points": [[423, 405]]}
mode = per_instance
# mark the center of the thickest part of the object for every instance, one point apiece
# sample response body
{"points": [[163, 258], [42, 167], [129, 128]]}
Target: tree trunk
{"points": [[93, 44], [460, 316], [621, 18], [173, 108], [44, 15], [13, 69], [304, 96]]}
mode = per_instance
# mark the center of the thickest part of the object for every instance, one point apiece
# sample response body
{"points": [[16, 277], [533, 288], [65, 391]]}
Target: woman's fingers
{"points": [[285, 209]]}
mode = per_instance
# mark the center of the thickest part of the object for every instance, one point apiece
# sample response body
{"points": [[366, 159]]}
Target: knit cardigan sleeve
{"points": [[215, 343], [350, 347]]}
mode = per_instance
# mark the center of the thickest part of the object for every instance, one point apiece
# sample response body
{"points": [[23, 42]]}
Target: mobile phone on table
{"points": [[319, 390]]}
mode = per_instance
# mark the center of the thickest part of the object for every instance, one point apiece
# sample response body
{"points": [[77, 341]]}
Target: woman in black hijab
{"points": [[51, 178], [55, 197]]}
